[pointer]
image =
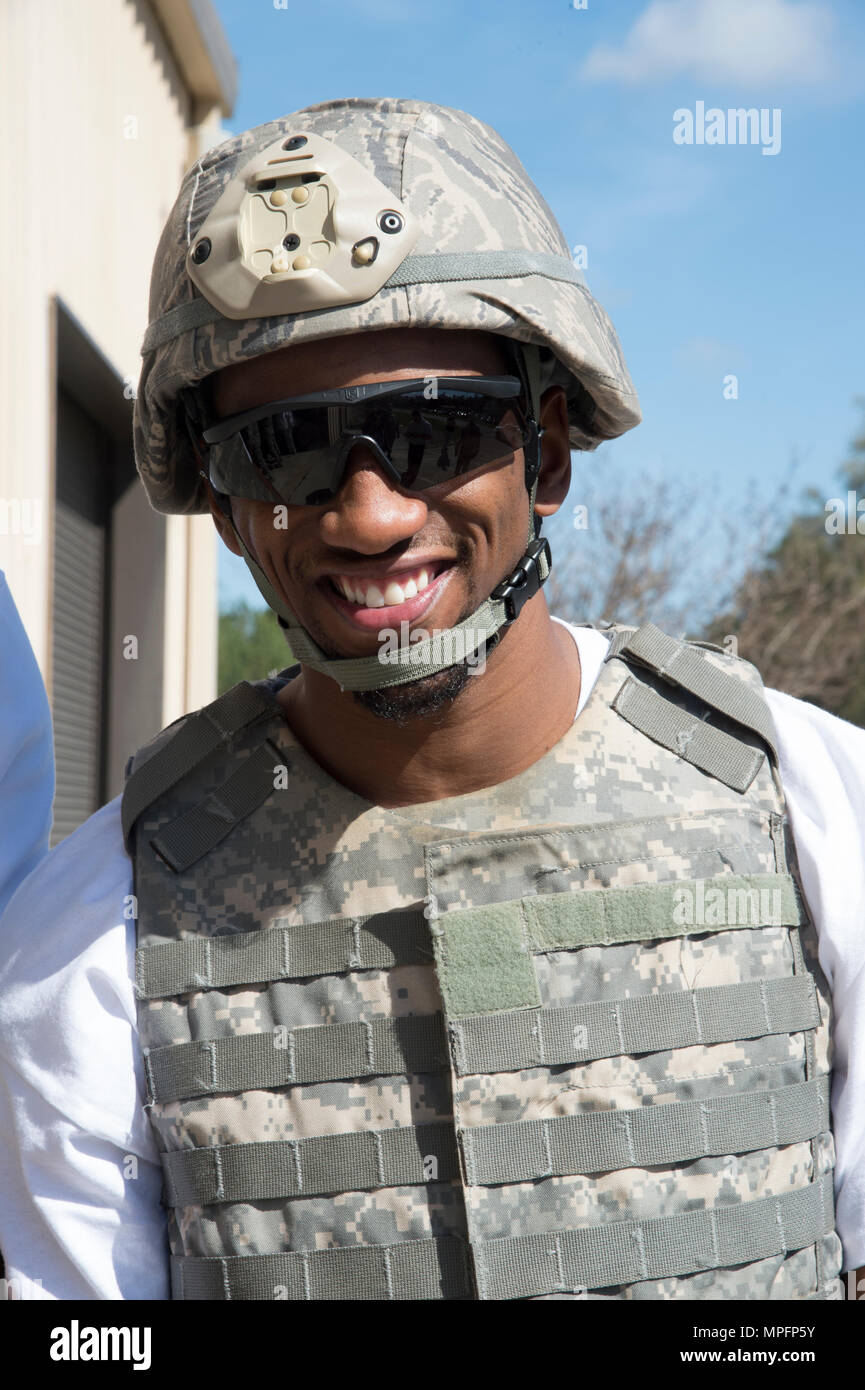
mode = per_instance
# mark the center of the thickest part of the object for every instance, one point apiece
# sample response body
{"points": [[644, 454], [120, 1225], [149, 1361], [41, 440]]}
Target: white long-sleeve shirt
{"points": [[80, 1174]]}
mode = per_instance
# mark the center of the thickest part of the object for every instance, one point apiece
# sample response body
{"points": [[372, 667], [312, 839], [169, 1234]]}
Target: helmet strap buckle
{"points": [[525, 580]]}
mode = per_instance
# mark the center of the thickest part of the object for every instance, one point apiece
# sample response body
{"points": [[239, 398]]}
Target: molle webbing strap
{"points": [[376, 942], [412, 1269], [685, 666], [732, 762], [188, 838], [561, 1261], [351, 1162], [199, 736], [605, 1141], [296, 1056], [485, 953], [523, 1038], [666, 1247], [596, 1142]]}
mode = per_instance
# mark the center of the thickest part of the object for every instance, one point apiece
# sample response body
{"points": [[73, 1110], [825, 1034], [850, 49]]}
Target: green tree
{"points": [[798, 613], [251, 645]]}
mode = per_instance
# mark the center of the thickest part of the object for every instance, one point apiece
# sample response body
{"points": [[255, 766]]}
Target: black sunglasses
{"points": [[422, 431]]}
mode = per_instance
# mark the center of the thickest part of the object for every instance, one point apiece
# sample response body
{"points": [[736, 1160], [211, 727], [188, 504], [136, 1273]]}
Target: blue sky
{"points": [[711, 259]]}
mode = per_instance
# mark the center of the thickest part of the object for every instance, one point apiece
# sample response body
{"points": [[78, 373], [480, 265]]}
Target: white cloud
{"points": [[743, 41]]}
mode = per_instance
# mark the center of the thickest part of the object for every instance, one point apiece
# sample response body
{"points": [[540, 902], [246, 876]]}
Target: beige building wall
{"points": [[103, 106]]}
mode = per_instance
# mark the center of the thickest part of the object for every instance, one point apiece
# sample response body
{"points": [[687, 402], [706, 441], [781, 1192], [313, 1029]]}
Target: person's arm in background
{"points": [[26, 754]]}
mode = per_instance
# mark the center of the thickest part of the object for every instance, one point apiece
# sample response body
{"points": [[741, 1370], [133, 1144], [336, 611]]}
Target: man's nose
{"points": [[370, 513]]}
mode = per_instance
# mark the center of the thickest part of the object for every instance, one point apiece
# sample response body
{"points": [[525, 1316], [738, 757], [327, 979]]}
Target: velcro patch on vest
{"points": [[485, 952]]}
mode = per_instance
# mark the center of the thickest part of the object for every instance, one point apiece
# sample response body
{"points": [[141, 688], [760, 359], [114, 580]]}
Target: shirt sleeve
{"points": [[26, 753], [822, 767], [80, 1175]]}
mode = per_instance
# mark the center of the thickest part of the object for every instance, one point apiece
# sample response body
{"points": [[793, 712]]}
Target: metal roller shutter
{"points": [[79, 614]]}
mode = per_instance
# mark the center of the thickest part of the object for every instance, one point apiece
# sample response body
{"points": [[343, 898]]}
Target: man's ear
{"points": [[554, 478], [222, 523], [220, 520]]}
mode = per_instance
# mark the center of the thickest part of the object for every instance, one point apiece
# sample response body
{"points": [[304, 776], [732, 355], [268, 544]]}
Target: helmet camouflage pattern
{"points": [[484, 253]]}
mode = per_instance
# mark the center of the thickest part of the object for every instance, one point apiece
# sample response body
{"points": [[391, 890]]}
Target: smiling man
{"points": [[476, 955], [427, 558]]}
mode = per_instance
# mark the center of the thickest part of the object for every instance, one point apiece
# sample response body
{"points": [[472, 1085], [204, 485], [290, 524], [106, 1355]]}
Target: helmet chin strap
{"points": [[449, 646]]}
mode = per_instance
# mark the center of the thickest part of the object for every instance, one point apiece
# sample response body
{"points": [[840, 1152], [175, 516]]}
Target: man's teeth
{"points": [[371, 596]]}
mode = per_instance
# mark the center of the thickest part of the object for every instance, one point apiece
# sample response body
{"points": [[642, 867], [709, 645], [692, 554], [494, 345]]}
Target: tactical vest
{"points": [[566, 1036]]}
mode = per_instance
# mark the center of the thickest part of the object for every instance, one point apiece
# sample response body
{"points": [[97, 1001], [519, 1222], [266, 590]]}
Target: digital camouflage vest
{"points": [[563, 1037]]}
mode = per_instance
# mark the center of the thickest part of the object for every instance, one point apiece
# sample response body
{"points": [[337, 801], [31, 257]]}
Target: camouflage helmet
{"points": [[410, 215], [489, 256]]}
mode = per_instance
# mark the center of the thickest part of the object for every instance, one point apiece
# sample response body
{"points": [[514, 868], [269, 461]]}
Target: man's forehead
{"points": [[354, 359]]}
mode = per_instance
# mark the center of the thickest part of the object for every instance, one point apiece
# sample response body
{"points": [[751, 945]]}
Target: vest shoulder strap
{"points": [[179, 748], [734, 690]]}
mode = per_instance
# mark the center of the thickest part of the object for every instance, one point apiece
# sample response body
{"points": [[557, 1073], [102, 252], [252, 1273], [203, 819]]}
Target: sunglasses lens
{"points": [[433, 441], [233, 472], [299, 454]]}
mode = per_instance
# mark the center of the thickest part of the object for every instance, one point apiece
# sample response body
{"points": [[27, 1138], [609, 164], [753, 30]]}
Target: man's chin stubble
{"points": [[425, 697], [417, 699]]}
